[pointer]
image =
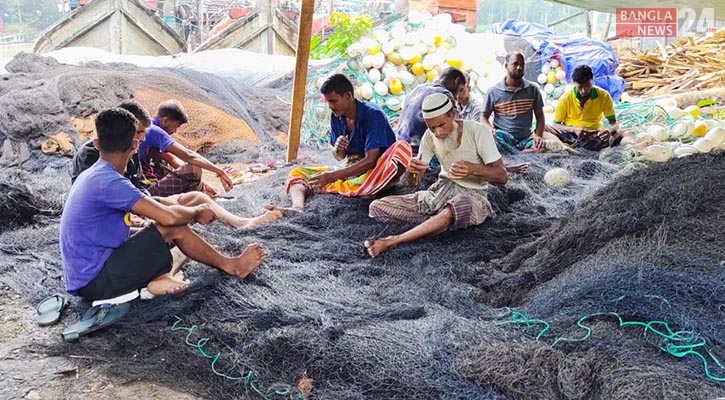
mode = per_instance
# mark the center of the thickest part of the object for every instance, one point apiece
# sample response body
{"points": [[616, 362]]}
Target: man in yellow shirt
{"points": [[578, 116]]}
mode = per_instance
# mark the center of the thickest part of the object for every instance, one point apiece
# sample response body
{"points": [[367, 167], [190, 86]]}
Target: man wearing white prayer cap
{"points": [[469, 161]]}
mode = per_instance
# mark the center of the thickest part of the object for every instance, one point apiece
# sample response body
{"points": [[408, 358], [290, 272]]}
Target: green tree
{"points": [[29, 16], [347, 31]]}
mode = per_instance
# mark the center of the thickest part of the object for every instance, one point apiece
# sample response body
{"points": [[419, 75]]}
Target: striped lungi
{"points": [[369, 183], [469, 206]]}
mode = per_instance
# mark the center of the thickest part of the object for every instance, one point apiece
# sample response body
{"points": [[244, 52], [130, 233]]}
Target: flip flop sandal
{"points": [[50, 309], [276, 164], [96, 318], [258, 168]]}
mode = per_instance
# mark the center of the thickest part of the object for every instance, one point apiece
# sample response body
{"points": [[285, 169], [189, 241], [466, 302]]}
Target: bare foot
{"points": [[286, 211], [268, 216], [180, 277], [164, 285], [243, 264], [376, 247], [639, 146], [179, 259], [518, 168]]}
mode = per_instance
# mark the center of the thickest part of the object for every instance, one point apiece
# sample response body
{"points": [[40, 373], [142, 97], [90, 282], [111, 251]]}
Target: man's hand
{"points": [[605, 134], [209, 190], [461, 169], [539, 144], [226, 181], [341, 144], [417, 166], [136, 221], [319, 181], [204, 214]]}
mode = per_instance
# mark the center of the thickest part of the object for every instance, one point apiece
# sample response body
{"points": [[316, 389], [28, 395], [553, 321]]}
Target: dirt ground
{"points": [[28, 374]]}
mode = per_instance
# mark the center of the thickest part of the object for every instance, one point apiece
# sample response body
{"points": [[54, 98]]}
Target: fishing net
{"points": [[604, 288]]}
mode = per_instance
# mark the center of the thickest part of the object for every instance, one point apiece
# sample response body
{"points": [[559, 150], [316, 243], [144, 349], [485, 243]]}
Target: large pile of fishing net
{"points": [[458, 316], [41, 98]]}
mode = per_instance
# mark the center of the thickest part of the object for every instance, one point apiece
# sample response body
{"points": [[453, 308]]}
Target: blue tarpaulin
{"points": [[570, 50], [512, 27], [573, 51], [611, 83]]}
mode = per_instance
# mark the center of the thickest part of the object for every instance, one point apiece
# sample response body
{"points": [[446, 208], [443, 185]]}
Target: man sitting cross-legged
{"points": [[578, 116], [361, 134], [458, 199], [100, 260], [88, 154]]}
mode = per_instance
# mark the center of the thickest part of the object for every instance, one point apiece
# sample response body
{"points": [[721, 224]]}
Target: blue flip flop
{"points": [[50, 309], [97, 317]]}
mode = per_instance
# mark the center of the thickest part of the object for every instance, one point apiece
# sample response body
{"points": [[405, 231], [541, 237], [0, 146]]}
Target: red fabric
{"points": [[236, 13], [319, 22]]}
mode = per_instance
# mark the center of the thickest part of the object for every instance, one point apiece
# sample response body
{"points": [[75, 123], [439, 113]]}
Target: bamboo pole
{"points": [[304, 34]]}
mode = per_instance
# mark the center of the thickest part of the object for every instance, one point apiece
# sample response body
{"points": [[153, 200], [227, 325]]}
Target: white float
{"points": [[557, 177]]}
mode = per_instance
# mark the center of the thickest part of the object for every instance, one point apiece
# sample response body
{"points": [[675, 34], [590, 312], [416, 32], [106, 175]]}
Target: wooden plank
{"points": [[304, 35]]}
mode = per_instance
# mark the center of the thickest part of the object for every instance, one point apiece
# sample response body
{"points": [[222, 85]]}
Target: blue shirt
{"points": [[156, 137], [157, 140], [92, 224], [372, 130], [412, 125]]}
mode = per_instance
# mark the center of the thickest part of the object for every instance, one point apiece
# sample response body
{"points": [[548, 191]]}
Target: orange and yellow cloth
{"points": [[369, 183]]}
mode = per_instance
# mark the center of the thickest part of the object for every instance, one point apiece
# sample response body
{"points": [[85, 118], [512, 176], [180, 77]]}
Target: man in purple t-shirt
{"points": [[100, 260], [172, 167]]}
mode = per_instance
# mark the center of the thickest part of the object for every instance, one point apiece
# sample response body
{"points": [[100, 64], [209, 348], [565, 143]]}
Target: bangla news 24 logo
{"points": [[662, 22]]}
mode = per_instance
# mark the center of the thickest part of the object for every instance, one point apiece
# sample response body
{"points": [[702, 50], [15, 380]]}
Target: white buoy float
{"points": [[557, 177], [657, 153], [716, 136], [658, 133]]}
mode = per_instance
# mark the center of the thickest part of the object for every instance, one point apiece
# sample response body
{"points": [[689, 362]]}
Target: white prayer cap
{"points": [[436, 105]]}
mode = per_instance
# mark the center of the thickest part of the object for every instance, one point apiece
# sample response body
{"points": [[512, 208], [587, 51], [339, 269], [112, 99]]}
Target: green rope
{"points": [[675, 343], [637, 116], [249, 378]]}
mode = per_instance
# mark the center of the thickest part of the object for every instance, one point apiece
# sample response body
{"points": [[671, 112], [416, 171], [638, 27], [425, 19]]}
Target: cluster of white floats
{"points": [[688, 134], [410, 53]]}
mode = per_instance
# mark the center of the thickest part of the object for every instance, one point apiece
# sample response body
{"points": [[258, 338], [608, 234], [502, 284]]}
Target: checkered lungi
{"points": [[469, 206], [181, 180]]}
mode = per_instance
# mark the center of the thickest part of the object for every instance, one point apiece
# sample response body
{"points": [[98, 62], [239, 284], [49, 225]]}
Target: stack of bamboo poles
{"points": [[686, 65]]}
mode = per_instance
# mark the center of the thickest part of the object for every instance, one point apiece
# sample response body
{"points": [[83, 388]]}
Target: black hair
{"points": [[116, 129], [582, 74], [172, 110], [337, 83], [143, 116], [451, 74], [468, 79], [513, 54]]}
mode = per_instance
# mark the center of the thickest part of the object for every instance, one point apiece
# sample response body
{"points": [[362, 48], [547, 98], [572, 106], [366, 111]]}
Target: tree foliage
{"points": [[346, 32], [28, 16]]}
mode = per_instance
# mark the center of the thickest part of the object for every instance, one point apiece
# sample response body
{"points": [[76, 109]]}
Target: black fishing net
{"points": [[621, 251]]}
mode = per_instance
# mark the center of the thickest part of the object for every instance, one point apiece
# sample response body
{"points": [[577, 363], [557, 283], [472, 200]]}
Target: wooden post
{"points": [[605, 34], [304, 34]]}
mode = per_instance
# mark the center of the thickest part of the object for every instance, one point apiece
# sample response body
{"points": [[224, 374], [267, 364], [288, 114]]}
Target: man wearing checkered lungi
{"points": [[458, 199]]}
